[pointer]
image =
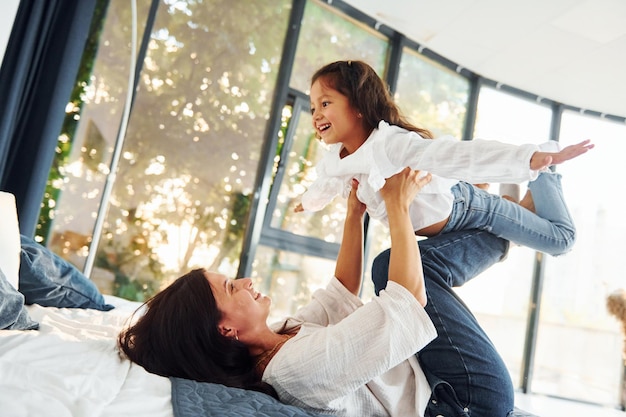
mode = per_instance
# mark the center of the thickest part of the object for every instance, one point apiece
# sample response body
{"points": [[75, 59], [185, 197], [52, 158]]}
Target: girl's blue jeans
{"points": [[550, 230], [466, 374]]}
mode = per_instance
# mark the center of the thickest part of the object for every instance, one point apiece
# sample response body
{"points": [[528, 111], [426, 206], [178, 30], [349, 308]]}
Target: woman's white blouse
{"points": [[389, 149], [355, 359]]}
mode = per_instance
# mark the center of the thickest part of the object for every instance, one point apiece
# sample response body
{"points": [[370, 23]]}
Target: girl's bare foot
{"points": [[527, 202], [510, 192]]}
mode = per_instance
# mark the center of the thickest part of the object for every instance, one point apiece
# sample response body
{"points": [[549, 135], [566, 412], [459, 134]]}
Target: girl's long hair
{"points": [[178, 336], [367, 93]]}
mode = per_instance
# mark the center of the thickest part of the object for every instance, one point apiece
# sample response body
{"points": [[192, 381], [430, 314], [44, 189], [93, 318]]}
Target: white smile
{"points": [[323, 127]]}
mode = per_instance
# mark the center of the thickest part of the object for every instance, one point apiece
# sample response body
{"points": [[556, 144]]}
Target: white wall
{"points": [[8, 9]]}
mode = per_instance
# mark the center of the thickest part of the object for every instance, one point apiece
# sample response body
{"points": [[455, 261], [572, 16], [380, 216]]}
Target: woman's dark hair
{"points": [[178, 336], [366, 92]]}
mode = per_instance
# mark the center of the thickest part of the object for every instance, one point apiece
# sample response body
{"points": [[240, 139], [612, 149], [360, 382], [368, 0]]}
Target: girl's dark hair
{"points": [[366, 92], [178, 336]]}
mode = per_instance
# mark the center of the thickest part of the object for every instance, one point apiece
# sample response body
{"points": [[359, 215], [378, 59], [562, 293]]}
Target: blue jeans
{"points": [[466, 374], [49, 280], [550, 230]]}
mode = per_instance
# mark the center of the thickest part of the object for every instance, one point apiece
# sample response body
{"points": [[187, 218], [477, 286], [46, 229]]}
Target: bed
{"points": [[70, 367], [58, 354]]}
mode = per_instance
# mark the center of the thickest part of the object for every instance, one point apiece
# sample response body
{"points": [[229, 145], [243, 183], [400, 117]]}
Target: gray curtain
{"points": [[36, 80]]}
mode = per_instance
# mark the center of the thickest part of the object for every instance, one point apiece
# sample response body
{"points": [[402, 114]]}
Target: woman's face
{"points": [[243, 309]]}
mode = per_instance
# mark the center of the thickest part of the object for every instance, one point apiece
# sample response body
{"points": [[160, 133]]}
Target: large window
{"points": [[326, 35], [85, 146], [579, 344], [499, 297], [192, 147], [431, 96]]}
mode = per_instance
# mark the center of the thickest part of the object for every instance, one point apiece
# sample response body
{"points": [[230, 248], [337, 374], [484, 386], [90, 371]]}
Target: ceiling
{"points": [[569, 51]]}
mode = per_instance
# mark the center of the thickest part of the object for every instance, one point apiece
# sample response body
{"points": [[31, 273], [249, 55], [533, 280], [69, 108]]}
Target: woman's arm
{"points": [[318, 366], [405, 266], [349, 266]]}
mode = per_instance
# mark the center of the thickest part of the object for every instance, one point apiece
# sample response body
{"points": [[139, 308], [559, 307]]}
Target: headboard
{"points": [[9, 238]]}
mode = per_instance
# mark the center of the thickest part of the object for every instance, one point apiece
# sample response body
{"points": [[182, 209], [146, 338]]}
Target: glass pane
{"points": [[499, 297], [580, 343], [431, 96], [289, 278], [327, 36], [193, 144], [504, 117], [85, 145], [306, 151]]}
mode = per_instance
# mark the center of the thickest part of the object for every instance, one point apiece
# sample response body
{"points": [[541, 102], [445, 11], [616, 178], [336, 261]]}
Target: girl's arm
{"points": [[349, 266], [541, 160], [474, 161], [405, 266]]}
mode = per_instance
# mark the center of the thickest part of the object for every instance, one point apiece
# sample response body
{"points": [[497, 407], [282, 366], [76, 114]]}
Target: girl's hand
{"points": [[541, 160]]}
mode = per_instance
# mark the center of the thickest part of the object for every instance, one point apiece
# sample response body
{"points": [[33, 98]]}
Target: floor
{"points": [[544, 406]]}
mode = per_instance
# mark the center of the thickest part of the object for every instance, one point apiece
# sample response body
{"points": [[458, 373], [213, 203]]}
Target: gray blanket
{"points": [[195, 399]]}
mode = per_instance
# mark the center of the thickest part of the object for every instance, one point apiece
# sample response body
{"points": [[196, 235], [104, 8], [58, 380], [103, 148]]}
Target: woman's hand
{"points": [[402, 188], [355, 207]]}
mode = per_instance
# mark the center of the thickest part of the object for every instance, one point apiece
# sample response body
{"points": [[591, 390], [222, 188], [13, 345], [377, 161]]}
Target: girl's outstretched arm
{"points": [[541, 160]]}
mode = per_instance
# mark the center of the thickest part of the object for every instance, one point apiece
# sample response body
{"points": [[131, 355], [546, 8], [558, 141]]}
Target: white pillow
{"points": [[9, 238]]}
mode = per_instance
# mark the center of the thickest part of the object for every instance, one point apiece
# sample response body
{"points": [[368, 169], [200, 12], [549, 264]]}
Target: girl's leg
{"points": [[466, 373], [550, 229]]}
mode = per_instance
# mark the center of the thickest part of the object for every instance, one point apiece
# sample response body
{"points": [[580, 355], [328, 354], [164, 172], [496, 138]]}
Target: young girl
{"points": [[370, 141]]}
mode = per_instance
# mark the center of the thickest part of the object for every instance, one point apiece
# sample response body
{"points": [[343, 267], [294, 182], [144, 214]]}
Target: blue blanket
{"points": [[194, 399]]}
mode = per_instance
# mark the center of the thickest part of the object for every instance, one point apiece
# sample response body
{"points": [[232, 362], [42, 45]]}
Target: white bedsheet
{"points": [[71, 367]]}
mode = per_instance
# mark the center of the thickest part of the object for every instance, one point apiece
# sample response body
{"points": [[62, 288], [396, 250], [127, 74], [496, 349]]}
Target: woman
{"points": [[336, 355]]}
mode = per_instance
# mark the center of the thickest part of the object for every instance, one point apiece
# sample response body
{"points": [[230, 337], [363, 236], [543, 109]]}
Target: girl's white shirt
{"points": [[355, 359], [389, 149]]}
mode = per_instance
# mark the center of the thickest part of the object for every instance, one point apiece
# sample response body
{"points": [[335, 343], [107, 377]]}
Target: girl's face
{"points": [[241, 306], [334, 119]]}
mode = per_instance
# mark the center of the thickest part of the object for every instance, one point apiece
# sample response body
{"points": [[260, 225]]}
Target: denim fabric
{"points": [[49, 280], [466, 374], [13, 314], [550, 230]]}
